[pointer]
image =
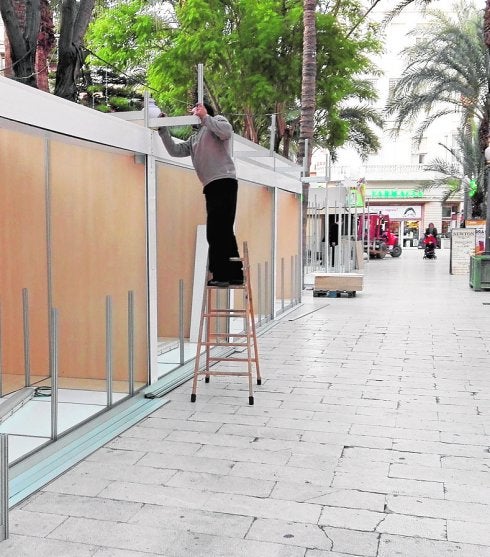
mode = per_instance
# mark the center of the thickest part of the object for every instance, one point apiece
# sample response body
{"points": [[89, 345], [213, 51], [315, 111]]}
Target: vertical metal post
{"points": [[282, 283], [131, 342], [27, 351], [267, 293], [200, 83], [291, 286], [108, 348], [273, 135], [259, 293], [4, 487], [53, 351], [1, 355], [181, 321], [146, 105]]}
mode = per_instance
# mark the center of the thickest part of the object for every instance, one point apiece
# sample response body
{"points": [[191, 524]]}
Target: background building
{"points": [[395, 175]]}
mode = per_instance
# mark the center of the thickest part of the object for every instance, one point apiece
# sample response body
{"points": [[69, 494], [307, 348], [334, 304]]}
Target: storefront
{"points": [[404, 207]]}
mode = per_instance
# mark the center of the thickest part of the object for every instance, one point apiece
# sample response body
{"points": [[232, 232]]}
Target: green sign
{"points": [[394, 194]]}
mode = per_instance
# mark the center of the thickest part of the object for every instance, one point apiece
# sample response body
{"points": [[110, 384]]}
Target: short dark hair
{"points": [[209, 108]]}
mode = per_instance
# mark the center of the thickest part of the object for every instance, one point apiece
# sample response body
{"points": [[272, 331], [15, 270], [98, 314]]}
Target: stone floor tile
{"points": [[290, 533], [89, 507], [398, 546], [193, 520], [469, 532], [404, 525], [31, 546], [34, 523]]}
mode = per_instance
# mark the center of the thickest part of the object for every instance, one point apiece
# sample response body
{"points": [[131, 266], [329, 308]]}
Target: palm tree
{"points": [[308, 97], [447, 71], [465, 163]]}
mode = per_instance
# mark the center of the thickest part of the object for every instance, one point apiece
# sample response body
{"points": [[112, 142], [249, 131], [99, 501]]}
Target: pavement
{"points": [[370, 436]]}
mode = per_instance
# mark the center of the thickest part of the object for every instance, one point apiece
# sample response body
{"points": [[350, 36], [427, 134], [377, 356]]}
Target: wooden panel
{"points": [[180, 209], [288, 234], [23, 261], [98, 249]]}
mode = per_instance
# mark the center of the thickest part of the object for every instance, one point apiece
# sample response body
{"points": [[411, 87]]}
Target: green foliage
{"points": [[252, 56]]}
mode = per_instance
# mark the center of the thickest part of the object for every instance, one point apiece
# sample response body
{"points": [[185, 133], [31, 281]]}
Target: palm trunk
{"points": [[308, 97]]}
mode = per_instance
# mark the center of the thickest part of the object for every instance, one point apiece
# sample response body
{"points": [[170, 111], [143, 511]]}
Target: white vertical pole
{"points": [[200, 83], [4, 487]]}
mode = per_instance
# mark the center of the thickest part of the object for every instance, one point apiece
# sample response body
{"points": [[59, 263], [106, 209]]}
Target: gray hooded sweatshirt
{"points": [[209, 149]]}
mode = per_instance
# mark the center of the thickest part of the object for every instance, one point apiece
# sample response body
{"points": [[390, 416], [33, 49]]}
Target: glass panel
{"points": [[23, 269], [98, 256]]}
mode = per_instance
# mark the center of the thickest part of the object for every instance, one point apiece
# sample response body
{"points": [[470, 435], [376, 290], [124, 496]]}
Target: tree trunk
{"points": [[308, 97], [22, 22], [45, 44], [74, 22]]}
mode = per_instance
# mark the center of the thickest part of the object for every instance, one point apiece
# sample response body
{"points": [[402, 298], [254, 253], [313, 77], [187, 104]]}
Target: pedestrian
{"points": [[431, 229], [210, 150]]}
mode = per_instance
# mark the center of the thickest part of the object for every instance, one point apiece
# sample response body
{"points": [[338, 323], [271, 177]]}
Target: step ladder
{"points": [[215, 332]]}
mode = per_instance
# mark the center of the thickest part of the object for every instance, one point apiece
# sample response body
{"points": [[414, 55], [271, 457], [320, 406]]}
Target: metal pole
{"points": [[200, 83], [108, 348], [4, 487], [273, 135], [267, 302], [53, 333], [291, 286], [1, 356], [131, 342], [282, 283], [259, 293], [25, 322], [181, 320]]}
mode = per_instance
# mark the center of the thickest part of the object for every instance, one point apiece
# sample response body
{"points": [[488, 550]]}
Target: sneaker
{"points": [[218, 283]]}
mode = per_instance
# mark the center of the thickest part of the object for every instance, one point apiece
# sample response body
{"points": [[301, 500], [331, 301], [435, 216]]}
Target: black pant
{"points": [[221, 200]]}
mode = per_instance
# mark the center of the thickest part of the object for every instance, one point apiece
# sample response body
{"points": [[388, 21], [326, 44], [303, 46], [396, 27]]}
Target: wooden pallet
{"points": [[334, 293]]}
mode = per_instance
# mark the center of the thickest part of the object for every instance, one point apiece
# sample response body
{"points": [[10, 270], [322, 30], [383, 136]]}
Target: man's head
{"points": [[209, 108]]}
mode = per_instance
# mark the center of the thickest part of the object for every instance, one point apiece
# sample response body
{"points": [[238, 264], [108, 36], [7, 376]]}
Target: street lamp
{"points": [[487, 229]]}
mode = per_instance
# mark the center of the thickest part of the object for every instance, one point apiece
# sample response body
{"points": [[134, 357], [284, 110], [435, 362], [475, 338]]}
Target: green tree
{"points": [[252, 54]]}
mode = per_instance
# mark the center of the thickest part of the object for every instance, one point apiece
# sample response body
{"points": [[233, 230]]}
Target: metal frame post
{"points": [[131, 342], [181, 321], [25, 324], [4, 487], [108, 348], [53, 344]]}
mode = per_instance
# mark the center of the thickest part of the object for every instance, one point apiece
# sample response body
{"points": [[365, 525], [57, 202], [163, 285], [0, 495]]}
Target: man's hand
{"points": [[199, 110]]}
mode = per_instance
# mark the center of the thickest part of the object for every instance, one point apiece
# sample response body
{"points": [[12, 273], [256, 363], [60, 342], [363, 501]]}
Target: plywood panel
{"points": [[23, 262], [288, 234], [180, 209], [98, 210]]}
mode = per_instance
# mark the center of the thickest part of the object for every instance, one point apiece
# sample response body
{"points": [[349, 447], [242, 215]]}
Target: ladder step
{"points": [[216, 373], [226, 313], [223, 359]]}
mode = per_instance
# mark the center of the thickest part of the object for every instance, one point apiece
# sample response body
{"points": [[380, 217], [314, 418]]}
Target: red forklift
{"points": [[374, 230]]}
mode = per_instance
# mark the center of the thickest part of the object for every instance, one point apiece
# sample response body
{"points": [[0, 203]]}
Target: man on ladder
{"points": [[210, 150]]}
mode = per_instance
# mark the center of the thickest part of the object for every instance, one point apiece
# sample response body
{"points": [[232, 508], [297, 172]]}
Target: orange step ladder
{"points": [[227, 345]]}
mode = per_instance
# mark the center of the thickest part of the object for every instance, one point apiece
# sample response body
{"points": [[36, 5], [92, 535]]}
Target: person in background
{"points": [[431, 229], [210, 150]]}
